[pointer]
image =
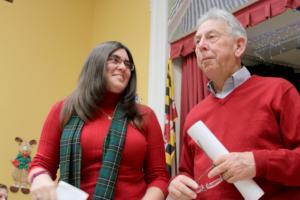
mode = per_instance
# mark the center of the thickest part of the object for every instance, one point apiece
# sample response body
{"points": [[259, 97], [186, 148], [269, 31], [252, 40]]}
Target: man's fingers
{"points": [[218, 170], [231, 179], [180, 194], [174, 193], [188, 182], [234, 166], [227, 175], [182, 187]]}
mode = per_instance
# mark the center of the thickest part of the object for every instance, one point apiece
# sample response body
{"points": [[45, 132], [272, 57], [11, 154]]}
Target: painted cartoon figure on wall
{"points": [[20, 163]]}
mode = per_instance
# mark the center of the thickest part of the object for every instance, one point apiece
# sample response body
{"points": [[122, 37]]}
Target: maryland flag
{"points": [[171, 116]]}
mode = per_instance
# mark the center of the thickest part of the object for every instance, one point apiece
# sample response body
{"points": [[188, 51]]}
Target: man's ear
{"points": [[240, 46]]}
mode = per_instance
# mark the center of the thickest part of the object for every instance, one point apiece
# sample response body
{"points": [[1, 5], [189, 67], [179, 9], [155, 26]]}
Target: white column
{"points": [[158, 58]]}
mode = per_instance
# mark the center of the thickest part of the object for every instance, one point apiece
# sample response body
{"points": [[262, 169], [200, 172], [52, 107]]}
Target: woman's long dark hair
{"points": [[85, 100]]}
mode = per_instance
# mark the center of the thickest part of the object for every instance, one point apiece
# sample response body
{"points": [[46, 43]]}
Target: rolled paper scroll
{"points": [[214, 148]]}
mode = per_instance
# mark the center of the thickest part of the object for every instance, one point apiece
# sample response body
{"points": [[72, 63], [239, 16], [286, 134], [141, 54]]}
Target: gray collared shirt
{"points": [[231, 83]]}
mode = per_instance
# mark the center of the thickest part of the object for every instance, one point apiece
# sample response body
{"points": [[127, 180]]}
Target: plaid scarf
{"points": [[70, 154]]}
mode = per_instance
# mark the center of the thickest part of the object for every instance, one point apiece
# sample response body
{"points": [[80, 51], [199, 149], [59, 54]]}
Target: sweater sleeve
{"points": [[186, 165], [154, 164], [47, 155], [282, 165]]}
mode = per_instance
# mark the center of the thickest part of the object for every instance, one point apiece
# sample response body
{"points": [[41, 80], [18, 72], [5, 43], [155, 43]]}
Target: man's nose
{"points": [[202, 44]]}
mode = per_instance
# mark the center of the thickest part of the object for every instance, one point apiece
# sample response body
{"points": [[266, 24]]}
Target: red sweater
{"points": [[263, 116], [143, 158]]}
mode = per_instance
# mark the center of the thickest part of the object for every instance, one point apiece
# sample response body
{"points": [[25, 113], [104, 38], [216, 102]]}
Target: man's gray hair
{"points": [[235, 27]]}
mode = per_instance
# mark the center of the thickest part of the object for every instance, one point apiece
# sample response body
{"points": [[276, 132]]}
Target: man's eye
{"points": [[212, 37]]}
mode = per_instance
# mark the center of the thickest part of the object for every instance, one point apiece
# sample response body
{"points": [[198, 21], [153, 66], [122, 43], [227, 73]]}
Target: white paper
{"points": [[66, 191], [214, 148]]}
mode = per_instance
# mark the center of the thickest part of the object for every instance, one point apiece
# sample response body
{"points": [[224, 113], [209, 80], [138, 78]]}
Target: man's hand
{"points": [[182, 188], [234, 167]]}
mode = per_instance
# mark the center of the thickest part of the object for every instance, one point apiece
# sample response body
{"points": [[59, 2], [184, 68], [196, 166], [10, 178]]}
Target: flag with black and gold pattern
{"points": [[170, 118]]}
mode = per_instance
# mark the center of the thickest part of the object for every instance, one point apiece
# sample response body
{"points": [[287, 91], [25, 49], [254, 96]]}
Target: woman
{"points": [[101, 115]]}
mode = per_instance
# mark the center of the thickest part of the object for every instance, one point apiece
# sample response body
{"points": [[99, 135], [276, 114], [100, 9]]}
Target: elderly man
{"points": [[256, 118]]}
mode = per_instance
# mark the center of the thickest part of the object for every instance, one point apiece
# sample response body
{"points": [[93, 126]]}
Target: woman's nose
{"points": [[122, 65]]}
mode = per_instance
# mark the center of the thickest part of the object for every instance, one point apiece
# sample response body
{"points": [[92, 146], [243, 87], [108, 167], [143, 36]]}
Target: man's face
{"points": [[3, 194], [215, 49]]}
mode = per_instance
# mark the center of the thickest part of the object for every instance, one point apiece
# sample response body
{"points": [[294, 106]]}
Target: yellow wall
{"points": [[41, 41], [127, 21], [43, 44]]}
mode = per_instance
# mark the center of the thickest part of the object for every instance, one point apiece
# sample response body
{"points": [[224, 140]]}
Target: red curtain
{"points": [[193, 87]]}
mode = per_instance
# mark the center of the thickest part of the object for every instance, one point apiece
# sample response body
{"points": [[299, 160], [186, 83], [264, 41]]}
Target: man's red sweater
{"points": [[262, 116]]}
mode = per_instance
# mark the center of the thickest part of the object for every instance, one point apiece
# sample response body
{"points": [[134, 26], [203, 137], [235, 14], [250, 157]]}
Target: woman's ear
{"points": [[240, 46]]}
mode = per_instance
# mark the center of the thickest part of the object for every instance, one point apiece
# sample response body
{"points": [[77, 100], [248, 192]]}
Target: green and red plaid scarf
{"points": [[70, 154]]}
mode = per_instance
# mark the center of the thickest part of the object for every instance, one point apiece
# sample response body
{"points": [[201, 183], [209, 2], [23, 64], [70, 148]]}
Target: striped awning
{"points": [[195, 9], [249, 16]]}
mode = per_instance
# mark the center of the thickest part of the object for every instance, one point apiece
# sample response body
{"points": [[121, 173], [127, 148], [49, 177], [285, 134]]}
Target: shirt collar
{"points": [[235, 80]]}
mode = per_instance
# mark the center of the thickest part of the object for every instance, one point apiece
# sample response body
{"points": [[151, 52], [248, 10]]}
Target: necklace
{"points": [[107, 115]]}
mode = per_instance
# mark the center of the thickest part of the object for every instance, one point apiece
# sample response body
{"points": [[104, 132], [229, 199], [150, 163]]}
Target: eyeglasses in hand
{"points": [[210, 182]]}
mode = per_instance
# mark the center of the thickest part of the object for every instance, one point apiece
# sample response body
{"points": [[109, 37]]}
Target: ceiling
{"points": [[276, 40]]}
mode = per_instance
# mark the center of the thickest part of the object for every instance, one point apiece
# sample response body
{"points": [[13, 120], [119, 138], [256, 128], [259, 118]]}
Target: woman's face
{"points": [[118, 71]]}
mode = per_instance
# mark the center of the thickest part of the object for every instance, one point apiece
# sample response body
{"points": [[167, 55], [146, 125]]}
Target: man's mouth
{"points": [[206, 58]]}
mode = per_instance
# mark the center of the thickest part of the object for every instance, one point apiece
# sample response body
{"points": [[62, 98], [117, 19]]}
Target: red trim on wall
{"points": [[183, 47]]}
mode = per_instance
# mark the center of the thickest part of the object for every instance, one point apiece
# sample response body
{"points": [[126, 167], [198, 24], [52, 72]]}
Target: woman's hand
{"points": [[43, 188]]}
